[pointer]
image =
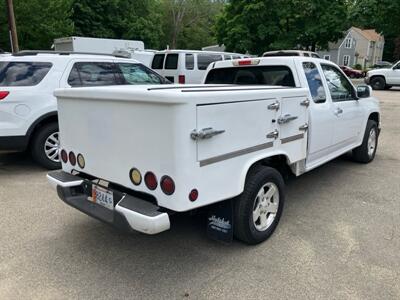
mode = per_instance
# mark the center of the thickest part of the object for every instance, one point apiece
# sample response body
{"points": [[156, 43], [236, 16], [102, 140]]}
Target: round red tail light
{"points": [[64, 156], [150, 180], [72, 158], [193, 195], [167, 185]]}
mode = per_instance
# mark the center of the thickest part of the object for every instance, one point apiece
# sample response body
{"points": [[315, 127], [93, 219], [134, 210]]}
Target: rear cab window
{"points": [[259, 75], [158, 61], [203, 60], [18, 73]]}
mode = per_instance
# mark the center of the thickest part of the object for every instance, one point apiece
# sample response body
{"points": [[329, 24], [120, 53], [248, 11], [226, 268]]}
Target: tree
{"points": [[383, 16], [38, 22], [189, 23], [118, 19], [261, 25]]}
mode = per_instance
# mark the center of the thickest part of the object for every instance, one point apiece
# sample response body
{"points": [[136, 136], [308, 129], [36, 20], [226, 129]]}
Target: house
{"points": [[364, 47]]}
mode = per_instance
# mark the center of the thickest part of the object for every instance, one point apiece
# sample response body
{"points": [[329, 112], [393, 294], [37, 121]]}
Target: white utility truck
{"points": [[133, 156]]}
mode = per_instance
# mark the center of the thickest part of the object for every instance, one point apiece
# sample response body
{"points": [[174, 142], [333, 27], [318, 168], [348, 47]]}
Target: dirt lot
{"points": [[339, 238]]}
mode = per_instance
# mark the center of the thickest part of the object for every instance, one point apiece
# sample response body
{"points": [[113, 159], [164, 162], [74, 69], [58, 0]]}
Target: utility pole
{"points": [[12, 27]]}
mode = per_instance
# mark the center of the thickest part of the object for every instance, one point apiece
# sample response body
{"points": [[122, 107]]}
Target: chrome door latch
{"points": [[286, 119], [304, 127], [274, 106], [273, 135], [305, 103], [204, 133]]}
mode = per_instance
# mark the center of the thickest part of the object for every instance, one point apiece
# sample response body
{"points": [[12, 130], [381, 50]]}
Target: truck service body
{"points": [[145, 152]]}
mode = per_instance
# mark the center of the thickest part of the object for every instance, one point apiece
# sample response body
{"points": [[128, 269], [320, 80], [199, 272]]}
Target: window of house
{"points": [[314, 82], [327, 57], [346, 60], [348, 43]]}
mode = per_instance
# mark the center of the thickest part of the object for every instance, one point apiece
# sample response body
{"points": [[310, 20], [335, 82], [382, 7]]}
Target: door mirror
{"points": [[363, 91]]}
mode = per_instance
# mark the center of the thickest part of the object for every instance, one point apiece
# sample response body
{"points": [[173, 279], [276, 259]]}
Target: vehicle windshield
{"points": [[261, 75]]}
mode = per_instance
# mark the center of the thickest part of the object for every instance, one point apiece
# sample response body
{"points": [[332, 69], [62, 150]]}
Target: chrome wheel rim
{"points": [[265, 206], [371, 142], [52, 147]]}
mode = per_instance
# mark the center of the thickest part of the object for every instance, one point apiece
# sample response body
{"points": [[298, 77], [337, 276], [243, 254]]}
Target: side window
{"points": [[171, 62], [314, 82], [203, 60], [92, 74], [306, 54], [74, 78], [189, 61], [339, 87], [158, 61], [227, 57], [137, 74], [23, 73]]}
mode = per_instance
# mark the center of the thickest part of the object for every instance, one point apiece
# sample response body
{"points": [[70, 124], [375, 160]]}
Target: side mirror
{"points": [[363, 91]]}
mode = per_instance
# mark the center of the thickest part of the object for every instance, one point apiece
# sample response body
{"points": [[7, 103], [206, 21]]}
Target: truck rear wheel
{"points": [[366, 152], [259, 208], [45, 146]]}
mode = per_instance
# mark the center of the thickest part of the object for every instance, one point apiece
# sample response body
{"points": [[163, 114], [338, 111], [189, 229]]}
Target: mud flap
{"points": [[220, 221]]}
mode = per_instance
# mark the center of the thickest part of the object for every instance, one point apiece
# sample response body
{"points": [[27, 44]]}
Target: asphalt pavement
{"points": [[339, 238]]}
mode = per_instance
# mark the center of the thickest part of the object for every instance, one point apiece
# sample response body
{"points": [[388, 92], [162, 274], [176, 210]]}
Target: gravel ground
{"points": [[339, 238]]}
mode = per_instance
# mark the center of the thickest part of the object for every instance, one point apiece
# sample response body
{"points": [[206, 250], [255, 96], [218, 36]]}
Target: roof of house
{"points": [[369, 34]]}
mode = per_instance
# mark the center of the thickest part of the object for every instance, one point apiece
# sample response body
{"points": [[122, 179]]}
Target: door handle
{"points": [[286, 119], [303, 127], [338, 111], [205, 133], [273, 135], [274, 106], [305, 103]]}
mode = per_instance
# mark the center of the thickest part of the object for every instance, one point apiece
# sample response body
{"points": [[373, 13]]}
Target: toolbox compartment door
{"points": [[245, 124]]}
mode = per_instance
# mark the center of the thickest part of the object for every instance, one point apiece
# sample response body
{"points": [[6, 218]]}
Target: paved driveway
{"points": [[339, 238]]}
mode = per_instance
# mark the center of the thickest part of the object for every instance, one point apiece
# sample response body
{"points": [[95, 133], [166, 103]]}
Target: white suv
{"points": [[28, 108]]}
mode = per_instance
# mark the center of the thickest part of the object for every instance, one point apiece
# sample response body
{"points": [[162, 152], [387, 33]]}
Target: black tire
{"points": [[38, 144], [362, 154], [244, 227], [378, 83]]}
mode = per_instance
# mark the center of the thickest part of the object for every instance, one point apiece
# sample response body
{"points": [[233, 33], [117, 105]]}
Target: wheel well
{"points": [[375, 117], [47, 119], [278, 162], [375, 76]]}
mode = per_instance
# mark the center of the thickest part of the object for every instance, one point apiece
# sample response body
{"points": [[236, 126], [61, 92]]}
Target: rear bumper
{"points": [[129, 213]]}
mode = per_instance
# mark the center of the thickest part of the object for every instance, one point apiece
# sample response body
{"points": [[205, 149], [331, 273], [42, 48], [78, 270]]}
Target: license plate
{"points": [[102, 196]]}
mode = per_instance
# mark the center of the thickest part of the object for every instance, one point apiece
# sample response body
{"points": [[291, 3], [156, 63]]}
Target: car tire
{"points": [[378, 83], [263, 198], [45, 145], [365, 153]]}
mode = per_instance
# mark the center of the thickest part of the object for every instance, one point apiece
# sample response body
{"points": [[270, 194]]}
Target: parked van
{"points": [[187, 66]]}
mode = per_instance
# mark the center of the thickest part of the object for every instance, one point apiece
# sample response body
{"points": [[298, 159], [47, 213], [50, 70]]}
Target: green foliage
{"points": [[357, 67], [382, 15], [38, 22], [262, 25]]}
